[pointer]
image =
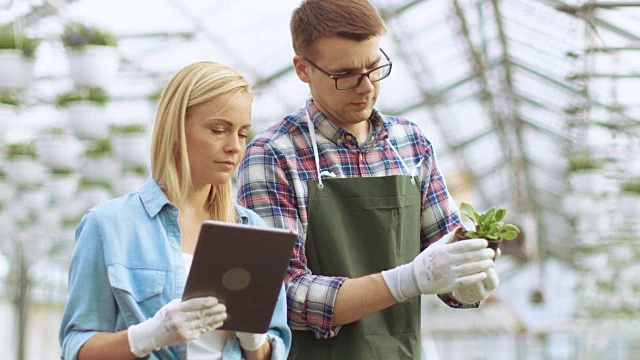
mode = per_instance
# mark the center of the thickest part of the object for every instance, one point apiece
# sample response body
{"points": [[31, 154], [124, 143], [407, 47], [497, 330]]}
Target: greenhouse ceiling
{"points": [[505, 90]]}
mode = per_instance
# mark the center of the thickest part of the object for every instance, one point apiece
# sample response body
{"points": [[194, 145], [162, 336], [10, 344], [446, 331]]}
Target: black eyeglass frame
{"points": [[362, 75]]}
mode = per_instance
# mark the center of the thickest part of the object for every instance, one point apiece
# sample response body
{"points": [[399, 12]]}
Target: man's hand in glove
{"points": [[478, 291], [441, 268]]}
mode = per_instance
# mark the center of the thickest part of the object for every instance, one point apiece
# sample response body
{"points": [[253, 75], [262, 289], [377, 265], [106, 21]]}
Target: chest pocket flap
{"points": [[141, 283]]}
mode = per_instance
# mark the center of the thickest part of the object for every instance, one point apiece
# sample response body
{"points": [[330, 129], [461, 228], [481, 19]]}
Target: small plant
{"points": [[138, 170], [86, 183], [10, 97], [93, 94], [631, 186], [18, 150], [488, 226], [10, 40], [128, 129], [77, 36], [61, 171], [98, 148], [583, 161]]}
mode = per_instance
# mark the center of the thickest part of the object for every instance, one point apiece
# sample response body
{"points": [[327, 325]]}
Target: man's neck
{"points": [[360, 130]]}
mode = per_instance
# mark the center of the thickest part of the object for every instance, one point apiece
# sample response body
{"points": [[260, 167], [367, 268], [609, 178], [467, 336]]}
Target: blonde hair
{"points": [[194, 84]]}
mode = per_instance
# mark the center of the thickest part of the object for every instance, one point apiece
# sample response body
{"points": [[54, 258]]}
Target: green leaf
{"points": [[509, 235], [500, 214], [468, 211], [471, 234], [512, 228], [489, 216]]}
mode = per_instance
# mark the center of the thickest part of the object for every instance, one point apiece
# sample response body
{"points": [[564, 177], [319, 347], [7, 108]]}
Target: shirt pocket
{"points": [[140, 284]]}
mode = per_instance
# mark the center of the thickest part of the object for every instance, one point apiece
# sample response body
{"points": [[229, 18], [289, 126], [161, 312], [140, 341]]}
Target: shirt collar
{"points": [[154, 199], [152, 196], [335, 133]]}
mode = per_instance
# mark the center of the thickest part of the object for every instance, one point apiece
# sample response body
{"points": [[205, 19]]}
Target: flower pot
{"points": [[629, 205], [63, 187], [60, 151], [92, 196], [88, 119], [131, 149], [26, 171], [8, 114], [128, 183], [93, 65], [588, 181], [102, 169], [17, 70]]}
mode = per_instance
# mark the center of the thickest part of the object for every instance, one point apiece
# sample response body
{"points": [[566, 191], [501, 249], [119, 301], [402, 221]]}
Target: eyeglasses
{"points": [[350, 81]]}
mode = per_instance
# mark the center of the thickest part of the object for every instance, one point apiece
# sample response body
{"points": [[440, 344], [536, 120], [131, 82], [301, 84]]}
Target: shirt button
{"points": [[348, 137]]}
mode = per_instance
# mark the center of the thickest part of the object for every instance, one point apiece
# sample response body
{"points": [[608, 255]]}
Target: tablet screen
{"points": [[244, 267]]}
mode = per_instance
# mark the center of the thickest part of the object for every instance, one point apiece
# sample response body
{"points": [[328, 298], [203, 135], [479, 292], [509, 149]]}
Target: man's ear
{"points": [[301, 68]]}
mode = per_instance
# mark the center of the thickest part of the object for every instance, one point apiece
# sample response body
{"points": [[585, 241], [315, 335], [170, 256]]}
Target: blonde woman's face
{"points": [[216, 133]]}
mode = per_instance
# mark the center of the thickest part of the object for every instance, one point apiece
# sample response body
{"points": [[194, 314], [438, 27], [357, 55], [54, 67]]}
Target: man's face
{"points": [[346, 108]]}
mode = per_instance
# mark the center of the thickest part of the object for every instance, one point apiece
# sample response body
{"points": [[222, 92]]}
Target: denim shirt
{"points": [[127, 264]]}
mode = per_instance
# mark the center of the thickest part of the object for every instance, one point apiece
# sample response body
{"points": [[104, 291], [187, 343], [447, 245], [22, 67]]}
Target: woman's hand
{"points": [[177, 322]]}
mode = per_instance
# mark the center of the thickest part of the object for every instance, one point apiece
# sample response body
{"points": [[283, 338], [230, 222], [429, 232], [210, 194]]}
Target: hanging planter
{"points": [[629, 202], [130, 144], [93, 58], [131, 180], [86, 110], [22, 167], [99, 165], [10, 102], [586, 174], [58, 149], [62, 185], [17, 54]]}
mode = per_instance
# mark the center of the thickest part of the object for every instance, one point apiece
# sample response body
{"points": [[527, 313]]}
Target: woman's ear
{"points": [[301, 68]]}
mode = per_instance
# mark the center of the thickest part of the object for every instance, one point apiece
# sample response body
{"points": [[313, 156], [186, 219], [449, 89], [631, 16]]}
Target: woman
{"points": [[132, 255]]}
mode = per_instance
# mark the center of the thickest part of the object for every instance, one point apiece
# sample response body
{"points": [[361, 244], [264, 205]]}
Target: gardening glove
{"points": [[251, 341], [478, 291], [440, 268], [176, 323]]}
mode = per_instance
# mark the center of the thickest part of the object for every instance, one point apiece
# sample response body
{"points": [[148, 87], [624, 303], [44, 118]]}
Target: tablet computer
{"points": [[244, 267]]}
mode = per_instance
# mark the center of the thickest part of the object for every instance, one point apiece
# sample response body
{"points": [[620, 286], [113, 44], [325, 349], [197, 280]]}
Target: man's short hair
{"points": [[354, 20]]}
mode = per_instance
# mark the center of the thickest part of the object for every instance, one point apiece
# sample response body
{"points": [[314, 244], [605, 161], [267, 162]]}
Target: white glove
{"points": [[176, 323], [440, 268], [478, 291], [251, 341]]}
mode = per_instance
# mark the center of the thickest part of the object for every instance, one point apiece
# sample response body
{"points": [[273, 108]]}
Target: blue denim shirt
{"points": [[127, 264]]}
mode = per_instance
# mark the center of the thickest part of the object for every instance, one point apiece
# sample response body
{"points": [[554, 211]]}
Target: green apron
{"points": [[359, 226]]}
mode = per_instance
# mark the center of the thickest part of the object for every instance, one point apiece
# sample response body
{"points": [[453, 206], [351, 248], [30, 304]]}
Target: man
{"points": [[364, 193]]}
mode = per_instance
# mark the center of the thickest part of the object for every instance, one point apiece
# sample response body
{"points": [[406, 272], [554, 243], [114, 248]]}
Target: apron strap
{"points": [[312, 134]]}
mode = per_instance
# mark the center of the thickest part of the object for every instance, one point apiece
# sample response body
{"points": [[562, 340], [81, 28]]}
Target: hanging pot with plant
{"points": [[586, 173], [56, 148], [99, 165], [488, 225], [10, 102], [22, 165], [86, 109], [17, 53], [93, 57], [629, 205], [130, 144]]}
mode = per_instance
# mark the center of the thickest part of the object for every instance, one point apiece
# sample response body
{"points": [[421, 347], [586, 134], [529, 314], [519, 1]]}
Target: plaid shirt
{"points": [[272, 182]]}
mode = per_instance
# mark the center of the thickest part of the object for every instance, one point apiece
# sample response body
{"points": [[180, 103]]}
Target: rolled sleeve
{"points": [[311, 300]]}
